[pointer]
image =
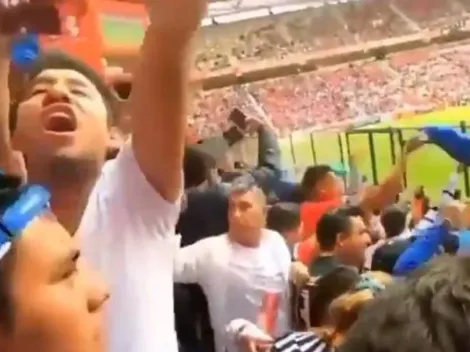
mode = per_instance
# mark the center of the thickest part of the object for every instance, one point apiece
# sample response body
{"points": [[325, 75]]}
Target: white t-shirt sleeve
{"points": [[189, 262]]}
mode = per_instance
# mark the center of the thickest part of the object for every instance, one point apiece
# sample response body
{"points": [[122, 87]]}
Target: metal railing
{"points": [[383, 146]]}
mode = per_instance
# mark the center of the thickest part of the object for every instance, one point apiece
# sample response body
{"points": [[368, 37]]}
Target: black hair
{"points": [[326, 289], [393, 220], [9, 193], [332, 223], [312, 176], [196, 166], [429, 311], [283, 217], [351, 210]]}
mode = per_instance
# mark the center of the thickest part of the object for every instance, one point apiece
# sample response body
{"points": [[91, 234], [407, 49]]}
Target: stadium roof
{"points": [[234, 6], [120, 29]]}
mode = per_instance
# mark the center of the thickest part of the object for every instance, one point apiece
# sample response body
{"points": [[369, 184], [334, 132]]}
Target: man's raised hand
{"points": [[176, 17]]}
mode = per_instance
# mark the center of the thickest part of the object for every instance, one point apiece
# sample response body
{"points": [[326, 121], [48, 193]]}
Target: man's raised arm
{"points": [[11, 162], [158, 102]]}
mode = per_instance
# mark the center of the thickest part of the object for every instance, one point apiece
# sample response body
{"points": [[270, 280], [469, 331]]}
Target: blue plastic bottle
{"points": [[25, 51]]}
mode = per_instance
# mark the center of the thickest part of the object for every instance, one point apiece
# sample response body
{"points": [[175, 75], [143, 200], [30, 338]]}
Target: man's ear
{"points": [[341, 239], [116, 140]]}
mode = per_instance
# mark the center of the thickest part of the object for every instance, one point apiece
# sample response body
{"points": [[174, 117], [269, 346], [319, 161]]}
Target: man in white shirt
{"points": [[128, 210], [243, 273]]}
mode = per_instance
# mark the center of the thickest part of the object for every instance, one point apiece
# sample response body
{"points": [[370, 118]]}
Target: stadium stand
{"points": [[417, 80]]}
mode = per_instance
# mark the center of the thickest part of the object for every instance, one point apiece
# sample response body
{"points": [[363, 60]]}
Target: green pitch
{"points": [[429, 167]]}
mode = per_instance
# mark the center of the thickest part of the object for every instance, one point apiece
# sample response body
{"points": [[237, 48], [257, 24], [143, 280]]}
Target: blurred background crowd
{"points": [[421, 79]]}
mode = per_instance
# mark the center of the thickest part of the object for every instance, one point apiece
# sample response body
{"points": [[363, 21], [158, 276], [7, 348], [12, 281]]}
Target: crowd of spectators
{"points": [[410, 81], [324, 27], [413, 81]]}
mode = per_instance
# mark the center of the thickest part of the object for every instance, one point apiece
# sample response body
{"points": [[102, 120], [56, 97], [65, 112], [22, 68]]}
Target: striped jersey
{"points": [[301, 342]]}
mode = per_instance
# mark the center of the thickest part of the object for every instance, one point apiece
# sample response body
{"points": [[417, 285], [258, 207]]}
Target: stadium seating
{"points": [[427, 12], [414, 80], [372, 20]]}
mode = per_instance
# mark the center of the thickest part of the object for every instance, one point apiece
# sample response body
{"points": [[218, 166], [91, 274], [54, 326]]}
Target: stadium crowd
{"points": [[410, 81], [150, 243]]}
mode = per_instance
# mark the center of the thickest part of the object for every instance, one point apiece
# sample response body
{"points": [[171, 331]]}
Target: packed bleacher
{"points": [[330, 25], [401, 82], [413, 81]]}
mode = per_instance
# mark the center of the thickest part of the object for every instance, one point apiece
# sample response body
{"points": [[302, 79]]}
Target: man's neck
{"points": [[257, 234], [326, 254], [70, 186]]}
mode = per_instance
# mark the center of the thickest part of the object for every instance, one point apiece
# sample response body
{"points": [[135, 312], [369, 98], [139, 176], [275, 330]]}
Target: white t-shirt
{"points": [[235, 280], [127, 232]]}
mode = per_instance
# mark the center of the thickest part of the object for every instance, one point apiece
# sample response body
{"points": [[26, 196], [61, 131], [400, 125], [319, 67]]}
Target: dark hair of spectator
{"points": [[326, 289], [9, 192], [351, 210], [393, 220], [427, 312], [334, 223], [283, 217], [312, 176], [196, 166]]}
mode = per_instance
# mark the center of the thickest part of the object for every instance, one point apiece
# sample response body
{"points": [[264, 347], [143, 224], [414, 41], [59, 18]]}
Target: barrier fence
{"points": [[378, 150]]}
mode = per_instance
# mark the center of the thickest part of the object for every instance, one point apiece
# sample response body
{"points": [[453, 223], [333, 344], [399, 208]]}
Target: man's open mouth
{"points": [[59, 120], [60, 123]]}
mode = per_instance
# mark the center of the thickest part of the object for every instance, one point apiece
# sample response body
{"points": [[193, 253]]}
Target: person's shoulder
{"points": [[122, 180], [319, 206], [276, 243], [272, 236], [123, 201], [213, 242]]}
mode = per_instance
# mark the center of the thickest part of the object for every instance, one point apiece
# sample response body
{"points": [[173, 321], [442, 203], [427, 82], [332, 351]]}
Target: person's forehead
{"points": [[62, 75], [358, 223]]}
